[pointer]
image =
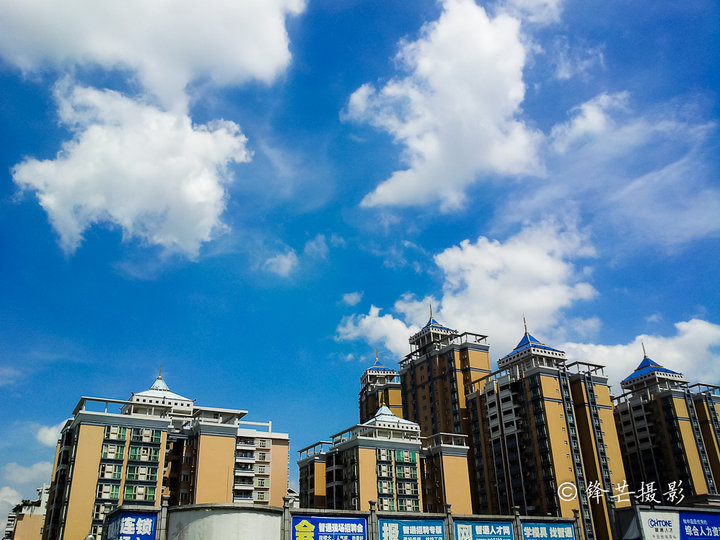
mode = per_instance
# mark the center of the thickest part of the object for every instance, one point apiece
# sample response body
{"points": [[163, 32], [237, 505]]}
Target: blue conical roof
{"points": [[648, 365]]}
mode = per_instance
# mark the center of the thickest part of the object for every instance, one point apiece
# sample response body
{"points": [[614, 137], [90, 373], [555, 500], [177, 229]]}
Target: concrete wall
{"points": [[223, 522]]}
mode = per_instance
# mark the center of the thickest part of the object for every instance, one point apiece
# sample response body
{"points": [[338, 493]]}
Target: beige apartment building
{"points": [[669, 431], [378, 460], [379, 385], [435, 377], [114, 452], [543, 432]]}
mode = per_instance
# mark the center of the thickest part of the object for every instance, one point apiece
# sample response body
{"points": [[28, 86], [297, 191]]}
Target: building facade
{"points": [[380, 386], [669, 431], [26, 520], [114, 452], [435, 377], [378, 460], [539, 425]]}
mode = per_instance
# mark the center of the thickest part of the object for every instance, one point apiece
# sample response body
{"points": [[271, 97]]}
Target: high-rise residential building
{"points": [[435, 375], [380, 386], [114, 452], [26, 520], [668, 431], [543, 432], [378, 460]]}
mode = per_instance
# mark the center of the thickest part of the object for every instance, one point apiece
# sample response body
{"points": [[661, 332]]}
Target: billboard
{"points": [[532, 530], [132, 526], [407, 529], [328, 528], [483, 530]]}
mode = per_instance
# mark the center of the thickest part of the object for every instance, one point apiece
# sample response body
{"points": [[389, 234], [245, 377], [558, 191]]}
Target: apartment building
{"points": [[377, 460], [669, 431], [114, 452], [435, 376], [380, 386], [540, 425]]}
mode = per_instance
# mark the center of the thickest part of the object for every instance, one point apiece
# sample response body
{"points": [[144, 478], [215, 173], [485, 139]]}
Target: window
{"points": [[116, 433], [101, 510], [146, 435], [139, 493], [108, 491], [147, 474], [110, 471], [144, 453], [386, 503], [262, 443], [113, 451]]}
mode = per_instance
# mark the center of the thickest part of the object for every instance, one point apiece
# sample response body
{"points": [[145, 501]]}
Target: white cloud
{"points": [[636, 178], [153, 174], [488, 286], [457, 111], [534, 11], [591, 119], [167, 44], [692, 351], [384, 330], [316, 248], [352, 298], [9, 497], [49, 435], [572, 62], [282, 264], [9, 375], [37, 474]]}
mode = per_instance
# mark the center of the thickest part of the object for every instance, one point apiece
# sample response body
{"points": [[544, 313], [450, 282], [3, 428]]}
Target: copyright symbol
{"points": [[567, 491]]}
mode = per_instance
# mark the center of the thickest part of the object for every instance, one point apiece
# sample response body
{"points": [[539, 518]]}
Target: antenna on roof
{"points": [[643, 347], [525, 323], [431, 311], [160, 375], [376, 356]]}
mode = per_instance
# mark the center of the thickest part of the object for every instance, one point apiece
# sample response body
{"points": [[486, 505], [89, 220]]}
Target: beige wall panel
{"points": [[279, 472], [84, 481], [214, 475], [367, 477], [457, 484]]}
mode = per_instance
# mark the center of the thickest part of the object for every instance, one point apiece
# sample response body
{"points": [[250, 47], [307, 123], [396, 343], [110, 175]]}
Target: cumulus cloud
{"points": [[457, 111], [352, 298], [282, 264], [49, 435], [36, 474], [153, 174], [692, 351], [166, 44], [487, 288], [384, 330]]}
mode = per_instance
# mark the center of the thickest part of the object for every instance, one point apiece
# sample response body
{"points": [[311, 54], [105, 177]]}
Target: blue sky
{"points": [[257, 195]]}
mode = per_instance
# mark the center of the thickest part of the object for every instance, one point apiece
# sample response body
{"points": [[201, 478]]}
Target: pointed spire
{"points": [[643, 347], [160, 374], [431, 311], [525, 324]]}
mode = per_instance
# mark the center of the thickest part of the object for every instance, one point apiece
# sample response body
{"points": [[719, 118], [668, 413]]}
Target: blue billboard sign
{"points": [[483, 530], [547, 529], [693, 526], [405, 529], [132, 526], [328, 528]]}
